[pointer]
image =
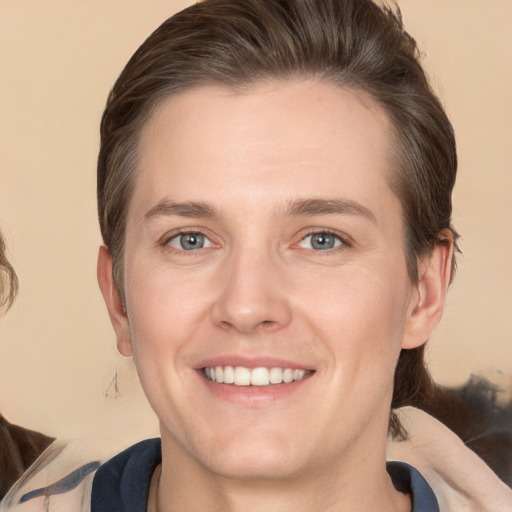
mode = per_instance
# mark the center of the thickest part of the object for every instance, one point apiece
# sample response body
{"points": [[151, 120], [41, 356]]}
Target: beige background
{"points": [[58, 59]]}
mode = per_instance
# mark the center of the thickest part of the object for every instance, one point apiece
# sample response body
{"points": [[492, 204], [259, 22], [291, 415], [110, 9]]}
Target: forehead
{"points": [[303, 138]]}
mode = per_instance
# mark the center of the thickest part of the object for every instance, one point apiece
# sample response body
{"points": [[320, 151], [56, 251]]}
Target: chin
{"points": [[255, 466], [255, 457]]}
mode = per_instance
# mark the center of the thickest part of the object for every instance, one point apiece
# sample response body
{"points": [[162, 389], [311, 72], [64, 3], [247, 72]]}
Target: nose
{"points": [[252, 297]]}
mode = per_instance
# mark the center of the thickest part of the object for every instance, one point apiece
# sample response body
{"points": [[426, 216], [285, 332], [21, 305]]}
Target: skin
{"points": [[265, 162]]}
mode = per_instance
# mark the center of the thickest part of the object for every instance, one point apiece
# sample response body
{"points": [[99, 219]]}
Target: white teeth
{"points": [[298, 374], [229, 375], [287, 375], [261, 376], [242, 376], [219, 374], [276, 376]]}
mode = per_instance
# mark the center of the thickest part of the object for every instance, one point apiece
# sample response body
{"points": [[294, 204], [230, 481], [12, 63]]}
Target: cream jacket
{"points": [[461, 480]]}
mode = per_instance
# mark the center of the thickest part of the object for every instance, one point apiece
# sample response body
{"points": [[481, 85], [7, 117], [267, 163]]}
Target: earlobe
{"points": [[113, 301], [427, 304]]}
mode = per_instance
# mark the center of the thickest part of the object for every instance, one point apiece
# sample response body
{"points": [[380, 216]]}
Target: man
{"points": [[274, 191]]}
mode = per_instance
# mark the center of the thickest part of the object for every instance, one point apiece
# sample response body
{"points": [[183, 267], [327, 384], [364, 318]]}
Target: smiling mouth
{"points": [[262, 376]]}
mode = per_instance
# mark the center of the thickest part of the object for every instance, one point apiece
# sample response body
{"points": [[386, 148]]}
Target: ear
{"points": [[428, 297], [114, 302]]}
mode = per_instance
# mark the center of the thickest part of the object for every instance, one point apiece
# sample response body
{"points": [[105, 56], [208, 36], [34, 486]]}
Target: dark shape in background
{"points": [[19, 448]]}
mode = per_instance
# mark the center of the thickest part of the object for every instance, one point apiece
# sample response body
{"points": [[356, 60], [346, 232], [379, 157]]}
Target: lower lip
{"points": [[253, 395]]}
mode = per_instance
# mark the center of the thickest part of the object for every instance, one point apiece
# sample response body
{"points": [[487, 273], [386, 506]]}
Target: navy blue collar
{"points": [[122, 483]]}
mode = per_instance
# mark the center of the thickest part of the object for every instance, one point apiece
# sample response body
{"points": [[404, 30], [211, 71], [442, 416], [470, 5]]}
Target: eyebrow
{"points": [[297, 207], [187, 209], [335, 206]]}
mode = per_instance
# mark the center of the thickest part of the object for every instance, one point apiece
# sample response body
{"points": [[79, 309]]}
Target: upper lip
{"points": [[251, 362]]}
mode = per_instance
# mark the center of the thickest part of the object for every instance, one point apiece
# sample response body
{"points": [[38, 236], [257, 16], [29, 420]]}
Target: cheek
{"points": [[361, 314], [164, 316], [360, 293], [164, 313]]}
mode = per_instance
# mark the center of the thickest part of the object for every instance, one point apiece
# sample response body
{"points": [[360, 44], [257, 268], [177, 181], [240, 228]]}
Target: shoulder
{"points": [[59, 480], [122, 483], [19, 448], [71, 476], [460, 479], [408, 479]]}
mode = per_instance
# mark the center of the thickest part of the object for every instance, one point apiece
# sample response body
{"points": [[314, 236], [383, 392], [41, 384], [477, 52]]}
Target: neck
{"points": [[359, 484]]}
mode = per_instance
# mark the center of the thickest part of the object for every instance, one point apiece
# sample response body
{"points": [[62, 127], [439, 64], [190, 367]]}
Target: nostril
{"points": [[265, 324]]}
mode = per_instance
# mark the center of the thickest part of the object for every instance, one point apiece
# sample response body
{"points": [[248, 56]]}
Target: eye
{"points": [[321, 241], [189, 241]]}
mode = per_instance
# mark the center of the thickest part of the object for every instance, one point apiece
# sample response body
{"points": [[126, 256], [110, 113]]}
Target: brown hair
{"points": [[238, 43], [8, 279]]}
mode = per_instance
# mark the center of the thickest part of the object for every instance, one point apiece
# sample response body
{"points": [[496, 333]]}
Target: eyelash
{"points": [[166, 240], [343, 240]]}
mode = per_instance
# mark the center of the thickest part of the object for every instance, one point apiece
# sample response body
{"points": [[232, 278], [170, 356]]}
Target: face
{"points": [[267, 296]]}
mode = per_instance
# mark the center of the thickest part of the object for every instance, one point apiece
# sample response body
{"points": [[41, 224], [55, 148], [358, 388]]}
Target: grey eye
{"points": [[320, 241], [189, 241]]}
